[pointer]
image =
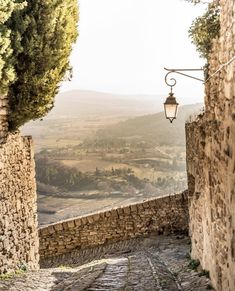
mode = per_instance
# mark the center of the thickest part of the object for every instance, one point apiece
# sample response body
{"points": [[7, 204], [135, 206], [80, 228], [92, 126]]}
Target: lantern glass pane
{"points": [[171, 110]]}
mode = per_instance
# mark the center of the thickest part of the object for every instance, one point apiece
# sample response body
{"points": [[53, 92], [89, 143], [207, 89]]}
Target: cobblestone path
{"points": [[153, 263]]}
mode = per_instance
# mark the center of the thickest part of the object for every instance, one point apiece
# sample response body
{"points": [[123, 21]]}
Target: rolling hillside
{"points": [[79, 114], [153, 128]]}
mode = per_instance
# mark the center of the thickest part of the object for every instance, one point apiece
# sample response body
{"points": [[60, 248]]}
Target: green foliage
{"points": [[204, 29], [35, 46], [171, 182], [11, 275], [53, 173], [48, 31], [64, 267], [194, 264], [50, 172], [7, 57]]}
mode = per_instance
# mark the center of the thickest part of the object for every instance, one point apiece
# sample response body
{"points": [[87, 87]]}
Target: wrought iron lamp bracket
{"points": [[171, 104], [173, 81], [179, 71]]}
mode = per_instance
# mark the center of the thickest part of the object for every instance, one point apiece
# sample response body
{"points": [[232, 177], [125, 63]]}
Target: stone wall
{"points": [[211, 164], [18, 220], [166, 215]]}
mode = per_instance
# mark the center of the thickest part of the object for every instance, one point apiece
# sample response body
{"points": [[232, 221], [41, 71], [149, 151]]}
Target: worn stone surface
{"points": [[166, 215], [155, 263], [18, 220], [211, 164]]}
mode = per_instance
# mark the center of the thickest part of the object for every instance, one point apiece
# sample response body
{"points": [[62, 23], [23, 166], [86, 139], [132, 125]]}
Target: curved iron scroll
{"points": [[172, 81]]}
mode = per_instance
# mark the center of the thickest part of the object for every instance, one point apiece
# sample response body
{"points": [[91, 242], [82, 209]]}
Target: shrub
{"points": [[204, 29], [193, 264]]}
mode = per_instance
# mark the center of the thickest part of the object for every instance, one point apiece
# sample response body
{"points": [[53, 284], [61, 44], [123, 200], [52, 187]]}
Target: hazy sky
{"points": [[125, 44]]}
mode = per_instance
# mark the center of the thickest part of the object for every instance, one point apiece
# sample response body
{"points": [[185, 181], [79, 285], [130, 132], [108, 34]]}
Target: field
{"points": [[141, 167]]}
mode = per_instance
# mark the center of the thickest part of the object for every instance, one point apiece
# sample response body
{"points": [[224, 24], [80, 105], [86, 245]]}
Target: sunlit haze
{"points": [[124, 46]]}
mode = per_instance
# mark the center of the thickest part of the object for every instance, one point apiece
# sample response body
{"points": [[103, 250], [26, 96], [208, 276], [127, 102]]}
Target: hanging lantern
{"points": [[171, 107]]}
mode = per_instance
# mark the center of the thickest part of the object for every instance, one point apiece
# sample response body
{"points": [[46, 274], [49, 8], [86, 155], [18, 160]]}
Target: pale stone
{"points": [[3, 111], [18, 219], [211, 166]]}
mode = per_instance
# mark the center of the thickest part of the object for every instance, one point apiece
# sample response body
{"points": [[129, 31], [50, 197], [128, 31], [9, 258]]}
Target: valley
{"points": [[91, 158]]}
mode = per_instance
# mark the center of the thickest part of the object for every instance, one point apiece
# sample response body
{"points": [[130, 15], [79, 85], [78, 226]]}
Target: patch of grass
{"points": [[194, 264], [22, 267], [19, 272], [64, 267], [11, 275], [6, 276]]}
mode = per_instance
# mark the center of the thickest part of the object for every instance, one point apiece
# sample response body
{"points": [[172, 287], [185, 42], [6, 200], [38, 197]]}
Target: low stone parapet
{"points": [[164, 215]]}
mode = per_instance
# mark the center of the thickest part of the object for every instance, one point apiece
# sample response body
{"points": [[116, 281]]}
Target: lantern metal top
{"points": [[171, 100]]}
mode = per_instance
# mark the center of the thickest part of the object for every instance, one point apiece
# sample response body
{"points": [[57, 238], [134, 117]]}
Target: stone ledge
{"points": [[100, 214], [165, 214]]}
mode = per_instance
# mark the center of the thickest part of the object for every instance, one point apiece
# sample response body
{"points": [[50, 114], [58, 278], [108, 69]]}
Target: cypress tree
{"points": [[42, 37], [7, 57]]}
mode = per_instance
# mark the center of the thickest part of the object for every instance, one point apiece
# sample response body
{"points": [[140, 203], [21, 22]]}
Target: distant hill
{"points": [[153, 128], [78, 114], [79, 103]]}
